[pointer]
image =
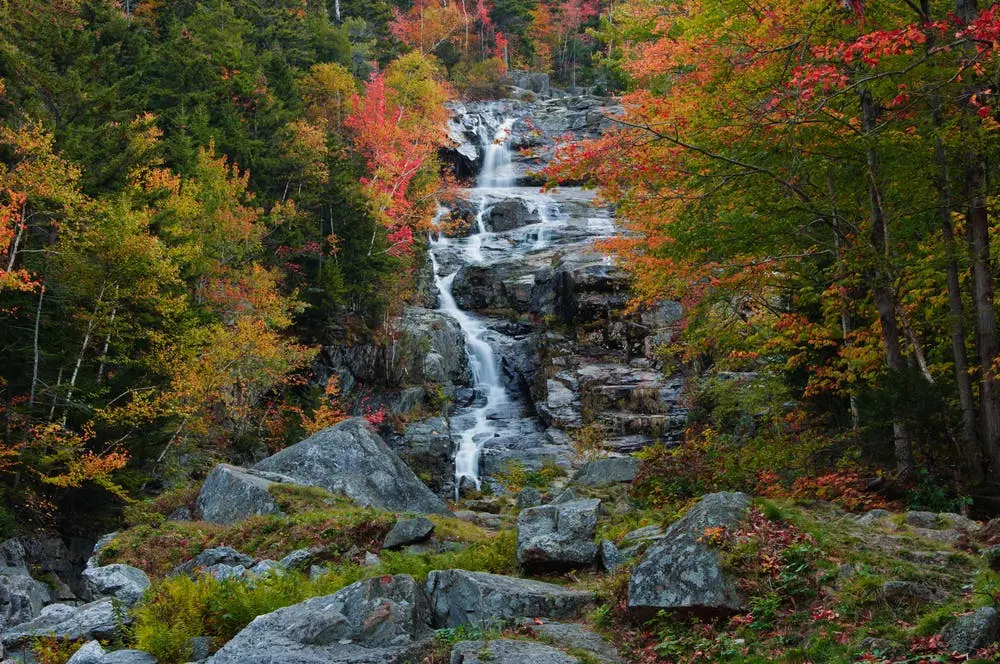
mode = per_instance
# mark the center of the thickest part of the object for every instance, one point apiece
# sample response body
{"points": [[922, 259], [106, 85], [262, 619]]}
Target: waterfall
{"points": [[495, 173]]}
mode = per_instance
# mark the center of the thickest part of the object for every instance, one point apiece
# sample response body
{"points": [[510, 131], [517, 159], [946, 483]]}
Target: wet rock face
{"points": [[427, 448], [352, 460], [680, 573], [510, 214]]}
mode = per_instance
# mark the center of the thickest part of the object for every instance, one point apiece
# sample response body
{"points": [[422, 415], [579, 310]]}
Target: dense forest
{"points": [[191, 191]]}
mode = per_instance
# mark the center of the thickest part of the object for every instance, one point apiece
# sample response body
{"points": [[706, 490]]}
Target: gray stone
{"points": [[876, 517], [426, 447], [99, 546], [408, 531], [611, 557], [201, 647], [90, 653], [643, 534], [921, 519], [907, 593], [558, 535], [510, 214], [123, 582], [97, 620], [351, 459], [566, 496], [529, 496], [607, 471], [93, 653], [958, 522], [376, 621], [459, 597], [182, 513], [21, 598], [221, 555], [13, 558], [574, 636], [681, 572], [263, 567], [508, 651], [232, 494], [298, 559], [222, 571], [971, 632]]}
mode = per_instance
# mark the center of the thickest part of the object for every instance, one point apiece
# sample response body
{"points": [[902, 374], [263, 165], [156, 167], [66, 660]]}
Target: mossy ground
{"points": [[812, 575]]}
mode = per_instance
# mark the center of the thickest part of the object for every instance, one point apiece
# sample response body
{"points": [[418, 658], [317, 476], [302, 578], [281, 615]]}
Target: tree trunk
{"points": [[34, 362], [882, 291], [986, 321], [972, 453]]}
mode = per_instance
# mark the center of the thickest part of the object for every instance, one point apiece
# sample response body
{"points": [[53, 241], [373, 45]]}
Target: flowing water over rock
{"points": [[540, 310]]}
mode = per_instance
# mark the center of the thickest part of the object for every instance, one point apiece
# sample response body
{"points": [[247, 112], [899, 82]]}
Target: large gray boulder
{"points": [[427, 448], [377, 621], [93, 653], [971, 632], [124, 582], [232, 494], [351, 459], [459, 597], [510, 214], [408, 531], [558, 535], [96, 620], [680, 572], [21, 599], [508, 651], [607, 471]]}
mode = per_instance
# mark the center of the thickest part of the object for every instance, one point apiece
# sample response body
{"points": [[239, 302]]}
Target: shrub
{"points": [[334, 530], [181, 608], [50, 650]]}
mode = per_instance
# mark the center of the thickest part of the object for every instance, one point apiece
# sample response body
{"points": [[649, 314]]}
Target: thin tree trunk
{"points": [[885, 299], [107, 339], [971, 450], [34, 361], [55, 395], [83, 350], [846, 324], [986, 321]]}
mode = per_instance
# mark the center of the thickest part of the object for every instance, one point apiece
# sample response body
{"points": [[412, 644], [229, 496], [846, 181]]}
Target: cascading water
{"points": [[496, 417]]}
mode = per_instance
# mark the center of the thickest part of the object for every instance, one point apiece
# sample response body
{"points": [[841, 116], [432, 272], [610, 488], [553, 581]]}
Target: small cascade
{"points": [[496, 171]]}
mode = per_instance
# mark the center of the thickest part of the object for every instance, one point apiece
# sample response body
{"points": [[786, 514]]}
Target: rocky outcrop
{"points": [[682, 573], [123, 582], [377, 621], [558, 536], [427, 448], [96, 620], [607, 471], [213, 558], [21, 599], [508, 651], [232, 494], [459, 598], [427, 347], [351, 459]]}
